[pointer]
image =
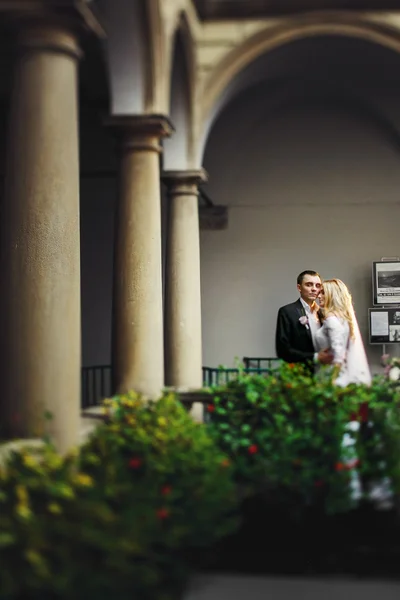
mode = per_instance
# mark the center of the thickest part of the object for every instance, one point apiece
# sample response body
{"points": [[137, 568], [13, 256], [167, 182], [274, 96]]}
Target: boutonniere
{"points": [[304, 321]]}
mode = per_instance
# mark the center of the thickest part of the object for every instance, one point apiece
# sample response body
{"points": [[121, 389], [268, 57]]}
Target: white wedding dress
{"points": [[350, 354]]}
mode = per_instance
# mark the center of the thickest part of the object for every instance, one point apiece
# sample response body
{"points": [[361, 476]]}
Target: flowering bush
{"points": [[391, 367], [120, 518], [285, 435], [380, 447], [53, 521], [178, 477]]}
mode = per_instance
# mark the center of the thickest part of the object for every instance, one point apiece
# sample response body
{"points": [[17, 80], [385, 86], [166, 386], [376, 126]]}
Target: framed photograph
{"points": [[384, 325], [386, 282]]}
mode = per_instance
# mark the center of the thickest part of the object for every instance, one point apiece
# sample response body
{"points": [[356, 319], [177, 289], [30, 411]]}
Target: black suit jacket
{"points": [[293, 340]]}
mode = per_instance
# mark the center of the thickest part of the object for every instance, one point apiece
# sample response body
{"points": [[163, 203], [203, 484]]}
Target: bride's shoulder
{"points": [[331, 320], [331, 317]]}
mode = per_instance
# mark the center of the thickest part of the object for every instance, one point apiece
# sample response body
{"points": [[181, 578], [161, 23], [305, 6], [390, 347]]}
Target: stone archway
{"points": [[226, 79], [178, 149]]}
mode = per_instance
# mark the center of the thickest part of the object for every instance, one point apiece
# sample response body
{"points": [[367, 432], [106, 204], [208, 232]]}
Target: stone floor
{"points": [[220, 587]]}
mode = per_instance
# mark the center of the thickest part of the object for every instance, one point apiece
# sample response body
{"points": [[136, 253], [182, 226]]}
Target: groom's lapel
{"points": [[300, 309], [302, 313]]}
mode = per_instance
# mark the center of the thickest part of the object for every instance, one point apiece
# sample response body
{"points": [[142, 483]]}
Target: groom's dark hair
{"points": [[304, 273]]}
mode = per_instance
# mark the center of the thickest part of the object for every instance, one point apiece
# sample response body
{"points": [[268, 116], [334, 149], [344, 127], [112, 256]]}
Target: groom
{"points": [[298, 323]]}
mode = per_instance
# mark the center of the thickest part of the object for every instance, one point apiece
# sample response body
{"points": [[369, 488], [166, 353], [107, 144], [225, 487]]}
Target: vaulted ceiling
{"points": [[236, 9]]}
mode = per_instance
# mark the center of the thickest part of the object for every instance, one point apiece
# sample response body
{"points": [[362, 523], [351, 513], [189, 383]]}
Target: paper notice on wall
{"points": [[379, 323]]}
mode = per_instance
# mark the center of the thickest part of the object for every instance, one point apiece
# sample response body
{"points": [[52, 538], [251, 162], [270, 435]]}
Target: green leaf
{"points": [[252, 396], [7, 539], [223, 426], [245, 442]]}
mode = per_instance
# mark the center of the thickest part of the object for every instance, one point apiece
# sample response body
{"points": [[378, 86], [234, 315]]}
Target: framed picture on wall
{"points": [[386, 282], [384, 325]]}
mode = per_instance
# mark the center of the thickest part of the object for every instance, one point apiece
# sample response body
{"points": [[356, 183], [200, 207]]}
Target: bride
{"points": [[341, 335]]}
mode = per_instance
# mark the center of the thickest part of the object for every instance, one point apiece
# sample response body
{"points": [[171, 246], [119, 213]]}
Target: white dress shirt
{"points": [[313, 322]]}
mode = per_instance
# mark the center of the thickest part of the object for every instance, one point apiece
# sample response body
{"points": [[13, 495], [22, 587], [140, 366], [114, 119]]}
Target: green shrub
{"points": [[120, 518], [51, 517], [169, 465], [284, 435], [379, 446]]}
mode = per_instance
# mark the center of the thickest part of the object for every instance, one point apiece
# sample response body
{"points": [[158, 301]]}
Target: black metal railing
{"points": [[261, 363], [97, 382], [96, 385], [222, 376]]}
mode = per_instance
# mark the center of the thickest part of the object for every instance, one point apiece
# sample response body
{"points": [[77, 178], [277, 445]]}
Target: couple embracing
{"points": [[321, 328]]}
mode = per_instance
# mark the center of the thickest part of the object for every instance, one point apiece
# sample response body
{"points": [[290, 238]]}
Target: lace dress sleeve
{"points": [[338, 336]]}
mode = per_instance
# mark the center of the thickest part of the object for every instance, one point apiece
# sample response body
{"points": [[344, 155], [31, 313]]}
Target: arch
{"points": [[179, 148], [287, 93], [217, 92]]}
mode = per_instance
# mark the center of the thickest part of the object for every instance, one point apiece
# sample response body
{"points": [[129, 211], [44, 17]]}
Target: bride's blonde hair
{"points": [[338, 302]]}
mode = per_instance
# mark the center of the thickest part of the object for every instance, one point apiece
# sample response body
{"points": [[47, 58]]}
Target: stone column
{"points": [[40, 254], [183, 348], [138, 357]]}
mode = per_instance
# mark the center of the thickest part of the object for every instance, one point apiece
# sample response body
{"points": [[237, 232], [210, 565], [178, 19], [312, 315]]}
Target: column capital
{"points": [[140, 132], [79, 11], [52, 26], [184, 181]]}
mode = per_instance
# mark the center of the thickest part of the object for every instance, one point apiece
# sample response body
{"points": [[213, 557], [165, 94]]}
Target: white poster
{"points": [[387, 282], [379, 324]]}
